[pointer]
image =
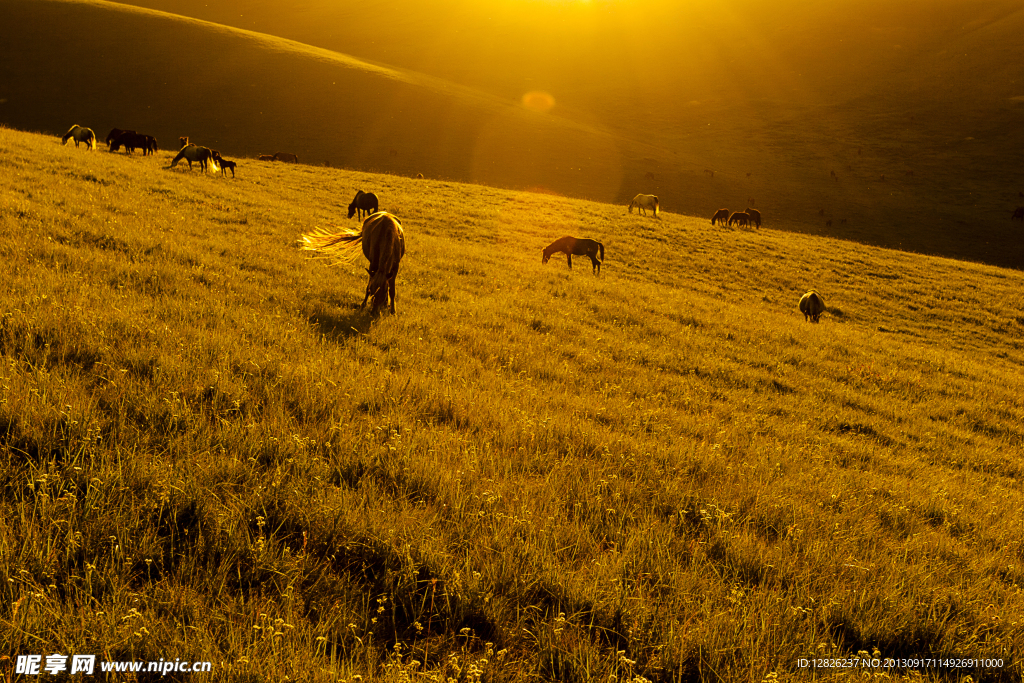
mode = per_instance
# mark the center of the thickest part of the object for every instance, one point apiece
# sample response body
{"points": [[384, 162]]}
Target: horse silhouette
{"points": [[643, 202], [722, 215], [114, 134], [755, 216], [739, 217], [570, 246], [224, 164], [383, 243], [132, 141], [80, 134], [286, 156], [364, 201]]}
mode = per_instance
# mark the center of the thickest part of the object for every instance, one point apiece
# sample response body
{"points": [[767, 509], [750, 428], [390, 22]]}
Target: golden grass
{"points": [[664, 472]]}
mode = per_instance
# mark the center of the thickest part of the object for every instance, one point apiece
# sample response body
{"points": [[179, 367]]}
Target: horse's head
{"points": [[351, 209], [545, 257]]}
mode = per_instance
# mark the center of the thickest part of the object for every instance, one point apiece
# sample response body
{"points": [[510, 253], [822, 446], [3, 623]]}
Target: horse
{"points": [[266, 157], [755, 216], [383, 246], [224, 164], [722, 215], [133, 141], [286, 156], [80, 134], [192, 153], [114, 134], [739, 217], [1018, 214], [364, 201], [643, 202], [570, 246], [812, 306]]}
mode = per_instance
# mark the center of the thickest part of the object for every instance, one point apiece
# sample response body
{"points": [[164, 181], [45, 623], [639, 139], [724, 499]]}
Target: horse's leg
{"points": [[568, 257], [595, 263], [391, 291]]}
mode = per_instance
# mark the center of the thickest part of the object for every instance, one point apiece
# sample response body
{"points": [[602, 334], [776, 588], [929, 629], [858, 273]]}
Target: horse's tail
{"points": [[92, 140], [656, 203], [601, 247], [341, 244]]}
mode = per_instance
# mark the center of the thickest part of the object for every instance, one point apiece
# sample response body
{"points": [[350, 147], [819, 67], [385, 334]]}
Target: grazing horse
{"points": [[192, 153], [740, 217], [80, 134], [643, 202], [383, 246], [755, 216], [133, 141], [570, 246], [266, 157], [812, 306], [364, 201], [1018, 214], [114, 134], [286, 156], [722, 215]]}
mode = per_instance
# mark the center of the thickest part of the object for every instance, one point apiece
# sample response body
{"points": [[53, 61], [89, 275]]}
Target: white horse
{"points": [[192, 153], [643, 202], [80, 134]]}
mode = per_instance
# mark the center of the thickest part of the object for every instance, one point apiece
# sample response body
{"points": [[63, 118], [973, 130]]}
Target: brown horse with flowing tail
{"points": [[570, 246], [383, 246]]}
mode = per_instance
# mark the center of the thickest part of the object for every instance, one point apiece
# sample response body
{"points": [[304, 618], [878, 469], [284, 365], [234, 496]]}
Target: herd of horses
{"points": [[132, 141], [381, 236]]}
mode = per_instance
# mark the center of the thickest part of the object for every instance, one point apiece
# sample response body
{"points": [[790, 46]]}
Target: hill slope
{"points": [[106, 65], [772, 98], [529, 471], [783, 91]]}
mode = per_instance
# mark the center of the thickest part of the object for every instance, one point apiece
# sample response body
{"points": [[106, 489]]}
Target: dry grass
{"points": [[664, 472]]}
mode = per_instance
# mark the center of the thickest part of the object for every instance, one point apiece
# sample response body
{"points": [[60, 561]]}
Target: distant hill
{"points": [[916, 107]]}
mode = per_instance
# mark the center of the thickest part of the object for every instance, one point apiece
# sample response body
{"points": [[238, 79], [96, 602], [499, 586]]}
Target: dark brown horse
{"points": [[722, 215], [740, 217], [224, 164], [755, 216], [364, 201], [286, 156], [570, 246], [383, 246], [132, 141], [114, 134]]}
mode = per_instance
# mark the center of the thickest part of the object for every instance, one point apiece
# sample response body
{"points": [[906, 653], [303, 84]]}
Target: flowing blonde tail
{"points": [[340, 244]]}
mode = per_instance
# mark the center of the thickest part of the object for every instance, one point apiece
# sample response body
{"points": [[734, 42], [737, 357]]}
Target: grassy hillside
{"points": [[783, 91], [105, 65], [771, 97], [207, 452]]}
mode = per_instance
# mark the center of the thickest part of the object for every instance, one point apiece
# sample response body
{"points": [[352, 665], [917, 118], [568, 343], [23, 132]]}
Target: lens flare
{"points": [[538, 100]]}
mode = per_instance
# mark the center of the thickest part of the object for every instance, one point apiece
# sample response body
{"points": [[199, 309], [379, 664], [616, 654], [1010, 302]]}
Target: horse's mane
{"points": [[340, 244]]}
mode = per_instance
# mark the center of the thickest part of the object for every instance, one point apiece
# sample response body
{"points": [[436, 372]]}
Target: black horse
{"points": [[570, 246], [132, 141], [364, 201]]}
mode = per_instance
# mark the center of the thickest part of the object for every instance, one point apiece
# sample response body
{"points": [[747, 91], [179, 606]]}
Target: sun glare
{"points": [[538, 100]]}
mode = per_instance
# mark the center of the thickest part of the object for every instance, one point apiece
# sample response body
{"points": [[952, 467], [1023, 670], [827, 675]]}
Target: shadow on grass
{"points": [[341, 324]]}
